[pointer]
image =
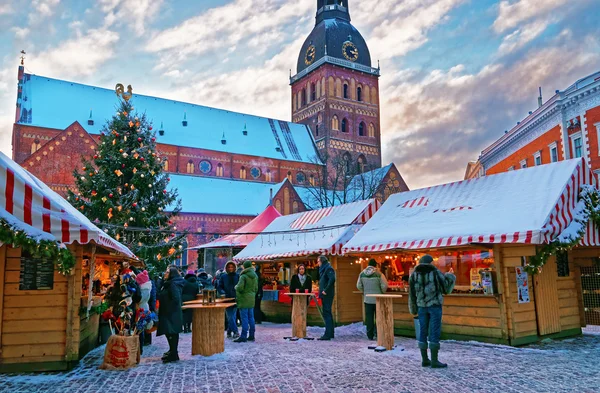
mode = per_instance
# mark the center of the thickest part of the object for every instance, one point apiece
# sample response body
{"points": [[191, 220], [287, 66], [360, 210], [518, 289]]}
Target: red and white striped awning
{"points": [[529, 206], [33, 207], [322, 231]]}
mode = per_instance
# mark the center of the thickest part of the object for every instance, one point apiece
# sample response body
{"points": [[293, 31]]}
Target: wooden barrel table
{"points": [[299, 311], [207, 327], [385, 319]]}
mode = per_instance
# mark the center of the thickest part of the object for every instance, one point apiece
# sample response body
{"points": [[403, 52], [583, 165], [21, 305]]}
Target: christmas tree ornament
{"points": [[143, 209], [142, 159], [114, 142], [171, 251], [132, 187], [139, 139], [125, 138], [104, 199], [130, 124], [164, 191], [123, 166], [110, 195], [149, 185], [94, 193], [119, 208], [130, 218], [125, 155], [82, 178], [134, 170], [118, 173], [125, 225], [120, 150], [84, 169], [134, 204]]}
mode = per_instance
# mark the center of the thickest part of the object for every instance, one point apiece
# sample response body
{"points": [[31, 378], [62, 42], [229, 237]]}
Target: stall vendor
{"points": [[301, 282]]}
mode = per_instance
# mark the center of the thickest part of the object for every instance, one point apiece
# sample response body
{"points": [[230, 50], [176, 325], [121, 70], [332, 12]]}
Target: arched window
{"points": [[361, 129], [331, 87], [190, 166], [345, 90], [286, 202], [166, 165], [367, 94], [35, 146], [317, 130], [344, 125], [295, 207], [255, 172], [205, 167], [289, 176], [268, 176], [338, 87], [347, 163], [359, 94], [374, 96], [361, 164], [371, 130], [319, 88], [220, 170], [300, 178], [278, 205], [243, 172], [303, 102], [311, 179], [313, 92], [335, 123]]}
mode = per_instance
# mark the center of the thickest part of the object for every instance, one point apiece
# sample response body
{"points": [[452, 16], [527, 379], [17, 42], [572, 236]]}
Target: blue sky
{"points": [[455, 73]]}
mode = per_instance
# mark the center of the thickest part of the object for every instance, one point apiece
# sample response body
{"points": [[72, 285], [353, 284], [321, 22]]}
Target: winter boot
{"points": [[435, 363], [240, 340], [425, 362], [166, 355], [171, 358], [251, 338]]}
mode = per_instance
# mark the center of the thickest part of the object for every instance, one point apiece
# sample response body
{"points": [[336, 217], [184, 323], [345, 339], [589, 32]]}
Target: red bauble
{"points": [[164, 191], [153, 139], [110, 195], [95, 156], [139, 139], [134, 204], [150, 128], [168, 179], [123, 166], [141, 158], [117, 134]]}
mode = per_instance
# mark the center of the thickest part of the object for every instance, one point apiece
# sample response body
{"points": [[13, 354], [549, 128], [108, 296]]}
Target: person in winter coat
{"points": [[190, 290], [327, 294], [301, 282], [205, 280], [258, 315], [143, 280], [371, 282], [227, 283], [170, 317], [427, 287], [246, 290]]}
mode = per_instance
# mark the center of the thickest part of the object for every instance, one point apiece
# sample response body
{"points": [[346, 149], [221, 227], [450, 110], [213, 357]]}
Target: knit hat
{"points": [[425, 259], [142, 278], [201, 270], [373, 263], [247, 264], [191, 272]]}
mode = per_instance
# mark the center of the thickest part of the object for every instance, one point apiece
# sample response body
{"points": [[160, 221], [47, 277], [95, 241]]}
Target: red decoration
{"points": [[139, 139], [150, 128], [141, 158], [123, 166], [110, 195], [164, 191], [95, 156], [134, 204], [153, 138]]}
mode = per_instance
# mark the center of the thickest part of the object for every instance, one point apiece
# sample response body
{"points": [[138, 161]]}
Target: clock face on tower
{"points": [[310, 55], [350, 51]]}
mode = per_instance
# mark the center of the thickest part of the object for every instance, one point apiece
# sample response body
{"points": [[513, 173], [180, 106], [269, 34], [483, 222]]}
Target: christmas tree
{"points": [[123, 189]]}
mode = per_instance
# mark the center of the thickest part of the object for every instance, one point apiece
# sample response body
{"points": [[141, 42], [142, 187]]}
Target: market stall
{"points": [[218, 252], [493, 232], [46, 322], [301, 238]]}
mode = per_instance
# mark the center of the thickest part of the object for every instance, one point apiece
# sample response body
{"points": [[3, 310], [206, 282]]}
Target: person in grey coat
{"points": [[371, 282], [427, 287]]}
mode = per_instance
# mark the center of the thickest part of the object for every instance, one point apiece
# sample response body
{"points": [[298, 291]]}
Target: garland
{"points": [[47, 249], [587, 209]]}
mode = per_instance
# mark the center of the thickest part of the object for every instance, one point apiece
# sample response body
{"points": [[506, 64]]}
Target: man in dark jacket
{"points": [[227, 283], [327, 293], [170, 317], [190, 290], [258, 317], [427, 287]]}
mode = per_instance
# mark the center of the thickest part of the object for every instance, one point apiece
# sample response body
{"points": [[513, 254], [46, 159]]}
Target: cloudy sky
{"points": [[455, 73]]}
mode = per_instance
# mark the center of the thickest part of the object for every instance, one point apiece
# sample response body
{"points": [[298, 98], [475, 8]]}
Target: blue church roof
{"points": [[213, 195], [54, 103]]}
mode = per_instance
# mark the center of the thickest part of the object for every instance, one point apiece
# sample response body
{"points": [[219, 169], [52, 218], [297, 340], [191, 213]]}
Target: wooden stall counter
{"points": [[207, 328], [385, 319], [299, 313]]}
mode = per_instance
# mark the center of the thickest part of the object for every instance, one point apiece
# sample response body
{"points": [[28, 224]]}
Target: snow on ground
{"points": [[272, 364]]}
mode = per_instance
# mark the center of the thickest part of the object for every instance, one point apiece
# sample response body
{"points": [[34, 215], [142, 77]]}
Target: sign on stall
{"points": [[522, 285]]}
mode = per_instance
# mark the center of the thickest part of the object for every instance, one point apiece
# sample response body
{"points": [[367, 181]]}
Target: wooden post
{"points": [[385, 322], [91, 281], [334, 310], [73, 302], [2, 270], [299, 316], [501, 291]]}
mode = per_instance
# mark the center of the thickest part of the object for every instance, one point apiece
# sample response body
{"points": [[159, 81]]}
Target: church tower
{"points": [[335, 91]]}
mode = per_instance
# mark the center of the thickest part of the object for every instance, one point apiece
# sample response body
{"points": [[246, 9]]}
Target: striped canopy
{"points": [[530, 206], [322, 231], [28, 204]]}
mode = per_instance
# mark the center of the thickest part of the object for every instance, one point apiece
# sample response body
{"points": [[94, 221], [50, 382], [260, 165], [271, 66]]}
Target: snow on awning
{"points": [[322, 231], [28, 204], [244, 235], [530, 206]]}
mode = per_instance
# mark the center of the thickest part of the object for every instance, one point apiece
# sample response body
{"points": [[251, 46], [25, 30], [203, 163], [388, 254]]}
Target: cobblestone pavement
{"points": [[272, 364]]}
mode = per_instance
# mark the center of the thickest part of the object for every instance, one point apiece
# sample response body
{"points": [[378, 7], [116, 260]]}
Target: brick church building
{"points": [[566, 126], [227, 166]]}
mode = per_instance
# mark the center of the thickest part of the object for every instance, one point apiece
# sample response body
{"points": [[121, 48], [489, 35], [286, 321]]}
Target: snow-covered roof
{"points": [[213, 195], [308, 233], [533, 205], [28, 204], [243, 236], [43, 103]]}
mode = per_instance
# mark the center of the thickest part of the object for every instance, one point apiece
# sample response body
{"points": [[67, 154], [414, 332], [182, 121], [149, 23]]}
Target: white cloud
{"points": [[133, 13], [20, 33], [6, 9], [521, 37], [511, 14], [42, 9]]}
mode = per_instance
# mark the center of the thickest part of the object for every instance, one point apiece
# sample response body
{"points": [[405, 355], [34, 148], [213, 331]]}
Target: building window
{"points": [[243, 172], [166, 165], [303, 99], [523, 164], [278, 205], [268, 176], [295, 207], [361, 163], [317, 130], [345, 90], [289, 176], [35, 146], [553, 152], [335, 123], [361, 129], [359, 94], [347, 163], [537, 159], [313, 92], [311, 180], [220, 170], [255, 172], [190, 166], [371, 130], [511, 168], [344, 125], [576, 141], [300, 178], [205, 166]]}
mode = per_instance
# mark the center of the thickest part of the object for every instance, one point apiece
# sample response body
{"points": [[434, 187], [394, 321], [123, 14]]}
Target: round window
{"points": [[205, 166], [300, 178], [255, 172]]}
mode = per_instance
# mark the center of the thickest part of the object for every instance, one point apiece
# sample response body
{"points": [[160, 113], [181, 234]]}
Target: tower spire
{"points": [[332, 9]]}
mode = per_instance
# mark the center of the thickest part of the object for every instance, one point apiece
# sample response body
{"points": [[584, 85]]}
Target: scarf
{"points": [[302, 278]]}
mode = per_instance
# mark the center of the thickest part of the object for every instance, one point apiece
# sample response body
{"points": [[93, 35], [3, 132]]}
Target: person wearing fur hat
{"points": [[190, 290], [170, 317], [427, 287], [246, 290], [227, 282], [371, 282], [204, 279]]}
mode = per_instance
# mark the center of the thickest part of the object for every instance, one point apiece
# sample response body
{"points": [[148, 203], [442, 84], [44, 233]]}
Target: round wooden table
{"points": [[207, 327], [299, 311], [218, 300], [385, 319]]}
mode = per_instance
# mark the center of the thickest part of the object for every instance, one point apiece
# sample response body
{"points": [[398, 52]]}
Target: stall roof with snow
{"points": [[531, 206], [244, 235], [29, 205], [42, 103], [308, 233]]}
